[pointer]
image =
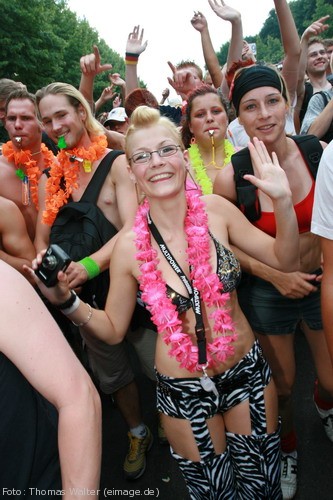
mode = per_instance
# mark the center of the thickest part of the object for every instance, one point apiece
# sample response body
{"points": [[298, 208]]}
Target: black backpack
{"points": [[247, 199], [81, 229]]}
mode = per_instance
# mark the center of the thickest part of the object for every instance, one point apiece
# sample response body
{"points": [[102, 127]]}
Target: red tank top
{"points": [[303, 211]]}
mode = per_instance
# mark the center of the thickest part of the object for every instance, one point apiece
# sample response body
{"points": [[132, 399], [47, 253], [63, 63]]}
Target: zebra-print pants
{"points": [[250, 466]]}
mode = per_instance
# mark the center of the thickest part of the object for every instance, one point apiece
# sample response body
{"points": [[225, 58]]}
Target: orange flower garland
{"points": [[66, 169], [23, 158]]}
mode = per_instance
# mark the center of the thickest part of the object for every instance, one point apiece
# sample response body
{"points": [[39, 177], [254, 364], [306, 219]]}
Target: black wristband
{"points": [[131, 54], [69, 302]]}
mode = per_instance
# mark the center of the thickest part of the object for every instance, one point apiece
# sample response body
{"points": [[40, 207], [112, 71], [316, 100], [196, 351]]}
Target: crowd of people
{"points": [[216, 228]]}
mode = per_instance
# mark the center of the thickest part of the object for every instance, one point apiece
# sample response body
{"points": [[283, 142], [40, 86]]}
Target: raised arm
{"points": [[199, 22], [272, 180], [134, 47], [41, 353], [291, 45], [115, 79], [315, 29], [90, 67]]}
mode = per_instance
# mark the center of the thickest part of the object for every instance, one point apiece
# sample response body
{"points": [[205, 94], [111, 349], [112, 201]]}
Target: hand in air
{"points": [[269, 177], [134, 43], [199, 22], [223, 11], [91, 63], [183, 80], [316, 28]]}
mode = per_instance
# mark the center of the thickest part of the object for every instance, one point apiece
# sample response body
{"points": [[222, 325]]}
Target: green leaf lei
{"points": [[201, 176]]}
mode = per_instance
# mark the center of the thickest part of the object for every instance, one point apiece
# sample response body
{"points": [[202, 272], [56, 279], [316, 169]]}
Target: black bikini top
{"points": [[228, 271]]}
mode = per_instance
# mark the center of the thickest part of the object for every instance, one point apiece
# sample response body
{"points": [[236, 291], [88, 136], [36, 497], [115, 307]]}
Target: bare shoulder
{"points": [[224, 184], [119, 166], [6, 167], [218, 204], [125, 245], [7, 205]]}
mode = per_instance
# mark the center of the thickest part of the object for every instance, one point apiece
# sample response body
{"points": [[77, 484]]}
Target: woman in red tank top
{"points": [[278, 304]]}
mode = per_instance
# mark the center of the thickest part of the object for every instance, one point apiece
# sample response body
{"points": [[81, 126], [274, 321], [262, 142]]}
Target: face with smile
{"points": [[208, 113], [61, 119], [21, 121], [262, 112], [159, 176], [318, 61]]}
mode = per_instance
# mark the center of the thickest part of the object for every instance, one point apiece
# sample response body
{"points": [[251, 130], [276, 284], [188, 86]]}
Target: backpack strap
{"points": [[311, 150], [247, 198], [95, 185]]}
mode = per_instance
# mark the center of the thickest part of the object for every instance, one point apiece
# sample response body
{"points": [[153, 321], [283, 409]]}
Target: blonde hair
{"points": [[75, 99], [144, 117]]}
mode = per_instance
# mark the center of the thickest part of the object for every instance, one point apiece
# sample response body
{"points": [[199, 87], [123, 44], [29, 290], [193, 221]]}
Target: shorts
{"points": [[110, 364], [250, 465], [144, 342], [270, 313]]}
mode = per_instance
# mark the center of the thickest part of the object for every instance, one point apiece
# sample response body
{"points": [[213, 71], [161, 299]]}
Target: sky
{"points": [[167, 28]]}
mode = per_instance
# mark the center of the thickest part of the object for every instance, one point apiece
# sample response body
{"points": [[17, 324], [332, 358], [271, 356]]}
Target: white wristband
{"points": [[73, 307]]}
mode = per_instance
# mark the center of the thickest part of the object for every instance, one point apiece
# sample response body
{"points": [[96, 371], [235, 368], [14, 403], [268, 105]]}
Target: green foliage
{"points": [[268, 40], [42, 41]]}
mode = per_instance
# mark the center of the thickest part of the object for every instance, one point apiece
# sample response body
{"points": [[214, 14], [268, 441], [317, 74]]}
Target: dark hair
{"points": [[254, 77], [204, 89], [139, 97]]}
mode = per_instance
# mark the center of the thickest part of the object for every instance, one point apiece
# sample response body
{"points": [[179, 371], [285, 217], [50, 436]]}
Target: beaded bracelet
{"points": [[91, 267], [90, 313]]}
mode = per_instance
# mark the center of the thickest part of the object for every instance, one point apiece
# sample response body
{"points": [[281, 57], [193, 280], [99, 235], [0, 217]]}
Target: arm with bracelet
{"points": [[109, 325]]}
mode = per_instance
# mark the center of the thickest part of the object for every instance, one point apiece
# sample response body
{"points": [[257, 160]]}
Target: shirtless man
{"points": [[67, 119], [16, 247], [23, 157]]}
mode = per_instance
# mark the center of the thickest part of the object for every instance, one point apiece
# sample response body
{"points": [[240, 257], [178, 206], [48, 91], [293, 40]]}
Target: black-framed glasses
{"points": [[145, 156]]}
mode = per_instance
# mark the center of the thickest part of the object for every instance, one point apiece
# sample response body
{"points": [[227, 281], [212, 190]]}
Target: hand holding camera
{"points": [[55, 259]]}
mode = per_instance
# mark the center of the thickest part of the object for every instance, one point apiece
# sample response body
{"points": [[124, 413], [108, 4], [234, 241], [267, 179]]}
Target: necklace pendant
{"points": [[86, 166], [208, 385], [206, 382], [26, 191]]}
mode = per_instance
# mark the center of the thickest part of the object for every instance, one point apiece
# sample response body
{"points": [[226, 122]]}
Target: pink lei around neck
{"points": [[154, 290]]}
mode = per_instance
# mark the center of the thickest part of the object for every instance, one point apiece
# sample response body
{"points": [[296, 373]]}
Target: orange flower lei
{"points": [[23, 158], [67, 169]]}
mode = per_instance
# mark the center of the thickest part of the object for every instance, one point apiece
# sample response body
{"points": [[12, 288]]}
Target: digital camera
{"points": [[54, 260]]}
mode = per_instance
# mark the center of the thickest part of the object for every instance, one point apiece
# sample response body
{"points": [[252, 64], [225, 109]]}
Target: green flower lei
{"points": [[199, 168]]}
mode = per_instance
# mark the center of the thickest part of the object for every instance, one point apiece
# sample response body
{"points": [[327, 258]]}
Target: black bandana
{"points": [[252, 78]]}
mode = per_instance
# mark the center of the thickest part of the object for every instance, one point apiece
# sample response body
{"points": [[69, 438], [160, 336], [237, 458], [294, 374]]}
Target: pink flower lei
{"points": [[154, 291]]}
